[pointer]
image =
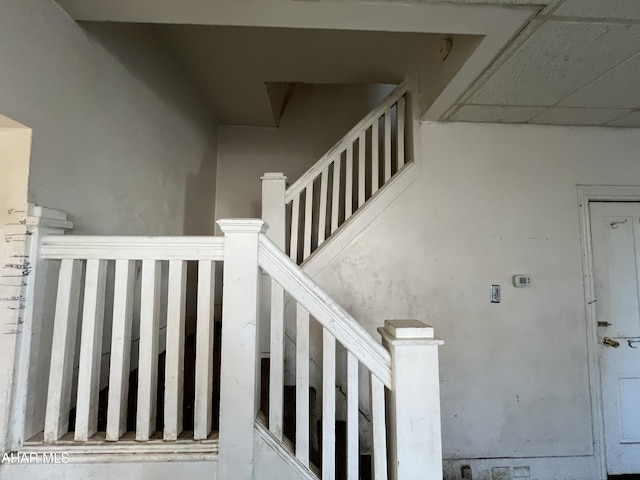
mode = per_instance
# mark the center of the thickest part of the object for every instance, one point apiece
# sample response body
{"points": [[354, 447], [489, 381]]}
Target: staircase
{"points": [[134, 403], [347, 187]]}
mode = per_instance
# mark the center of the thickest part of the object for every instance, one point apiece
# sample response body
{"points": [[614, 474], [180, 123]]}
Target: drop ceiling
{"points": [[576, 63]]}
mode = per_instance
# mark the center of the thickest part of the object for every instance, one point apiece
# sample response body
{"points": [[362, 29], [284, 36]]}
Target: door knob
{"points": [[610, 342]]}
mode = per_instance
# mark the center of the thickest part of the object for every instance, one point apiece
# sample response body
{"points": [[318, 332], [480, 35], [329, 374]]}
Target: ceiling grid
{"points": [[577, 63]]}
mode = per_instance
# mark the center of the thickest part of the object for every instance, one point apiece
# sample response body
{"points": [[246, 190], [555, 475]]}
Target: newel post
{"points": [[415, 443], [274, 189], [239, 381], [35, 328]]}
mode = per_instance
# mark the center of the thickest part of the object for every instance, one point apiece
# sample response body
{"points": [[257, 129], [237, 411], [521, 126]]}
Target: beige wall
{"points": [[492, 201], [15, 146], [121, 142], [316, 117]]}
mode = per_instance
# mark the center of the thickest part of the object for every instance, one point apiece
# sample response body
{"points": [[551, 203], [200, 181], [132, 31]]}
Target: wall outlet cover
{"points": [[522, 472], [500, 473]]}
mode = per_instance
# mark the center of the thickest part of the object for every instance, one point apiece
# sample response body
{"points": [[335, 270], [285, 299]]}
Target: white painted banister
{"points": [[90, 350], [276, 362], [352, 161], [31, 386], [240, 353], [413, 408], [375, 160], [329, 406], [335, 203], [338, 328], [203, 409], [402, 373], [302, 385], [174, 369], [322, 218], [401, 120], [379, 428], [148, 356], [348, 185], [387, 145], [64, 339], [274, 187], [120, 349], [325, 310], [353, 450], [97, 254], [348, 139], [84, 247]]}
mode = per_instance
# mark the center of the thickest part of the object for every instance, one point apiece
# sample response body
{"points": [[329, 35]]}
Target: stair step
{"points": [[315, 427], [188, 397], [365, 469]]}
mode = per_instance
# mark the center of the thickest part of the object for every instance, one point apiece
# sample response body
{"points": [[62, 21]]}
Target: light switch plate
{"points": [[495, 294]]}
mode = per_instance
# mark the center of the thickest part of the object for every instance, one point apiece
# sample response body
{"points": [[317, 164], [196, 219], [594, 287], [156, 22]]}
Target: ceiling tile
{"points": [[485, 113], [557, 60], [630, 120], [614, 89], [578, 116], [618, 9]]}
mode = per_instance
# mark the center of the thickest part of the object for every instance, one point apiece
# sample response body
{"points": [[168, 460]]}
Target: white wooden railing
{"points": [[84, 262], [349, 174], [402, 374], [338, 327]]}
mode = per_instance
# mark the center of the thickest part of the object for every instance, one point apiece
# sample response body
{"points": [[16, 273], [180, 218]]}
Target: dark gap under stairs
{"points": [[289, 421], [315, 428], [188, 398]]}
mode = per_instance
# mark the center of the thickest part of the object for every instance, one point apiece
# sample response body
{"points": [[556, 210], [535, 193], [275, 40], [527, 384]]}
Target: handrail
{"points": [[348, 139], [325, 310], [77, 247]]}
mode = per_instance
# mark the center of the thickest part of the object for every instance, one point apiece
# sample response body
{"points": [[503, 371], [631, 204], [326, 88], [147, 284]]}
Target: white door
{"points": [[615, 230]]}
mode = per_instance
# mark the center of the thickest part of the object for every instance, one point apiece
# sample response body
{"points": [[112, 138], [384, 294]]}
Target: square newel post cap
{"points": [[243, 225], [398, 332], [273, 176], [38, 216]]}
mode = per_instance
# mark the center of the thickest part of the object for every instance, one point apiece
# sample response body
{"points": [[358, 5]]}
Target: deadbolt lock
{"points": [[610, 342]]}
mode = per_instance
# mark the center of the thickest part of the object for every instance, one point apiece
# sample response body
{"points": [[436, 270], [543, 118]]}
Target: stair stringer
{"points": [[361, 219], [337, 242], [275, 460], [323, 256], [382, 198]]}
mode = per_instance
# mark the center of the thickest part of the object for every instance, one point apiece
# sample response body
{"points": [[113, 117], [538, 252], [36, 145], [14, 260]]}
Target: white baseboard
{"points": [[538, 468]]}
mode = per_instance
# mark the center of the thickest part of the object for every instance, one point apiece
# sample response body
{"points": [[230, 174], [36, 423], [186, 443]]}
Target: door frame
{"points": [[586, 195]]}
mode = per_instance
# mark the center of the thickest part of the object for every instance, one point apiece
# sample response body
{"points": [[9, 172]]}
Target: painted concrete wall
{"points": [[492, 201], [315, 118], [121, 141], [15, 147]]}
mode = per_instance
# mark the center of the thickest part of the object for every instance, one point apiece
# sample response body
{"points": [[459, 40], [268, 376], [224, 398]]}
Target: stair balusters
{"points": [[347, 176]]}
